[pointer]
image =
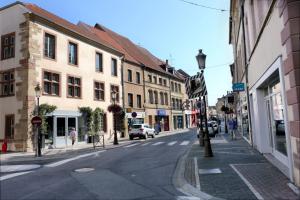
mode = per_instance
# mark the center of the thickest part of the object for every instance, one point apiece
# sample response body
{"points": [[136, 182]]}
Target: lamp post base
{"points": [[207, 147], [201, 138]]}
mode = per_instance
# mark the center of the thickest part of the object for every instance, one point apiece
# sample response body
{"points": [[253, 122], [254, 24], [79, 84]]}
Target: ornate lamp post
{"points": [[37, 90], [114, 97], [201, 57]]}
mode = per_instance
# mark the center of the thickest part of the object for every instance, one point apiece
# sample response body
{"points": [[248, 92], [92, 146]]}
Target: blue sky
{"points": [[170, 29]]}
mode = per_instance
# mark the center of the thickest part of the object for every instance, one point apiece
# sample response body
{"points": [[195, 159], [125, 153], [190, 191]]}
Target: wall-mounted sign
{"points": [[238, 87]]}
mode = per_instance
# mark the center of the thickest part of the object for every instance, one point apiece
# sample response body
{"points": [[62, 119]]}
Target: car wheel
{"points": [[153, 135], [130, 137]]}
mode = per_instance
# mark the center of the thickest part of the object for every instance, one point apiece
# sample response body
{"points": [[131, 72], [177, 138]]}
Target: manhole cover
{"points": [[86, 169]]}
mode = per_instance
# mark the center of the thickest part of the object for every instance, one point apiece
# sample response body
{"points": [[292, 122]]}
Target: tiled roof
{"points": [[68, 25]]}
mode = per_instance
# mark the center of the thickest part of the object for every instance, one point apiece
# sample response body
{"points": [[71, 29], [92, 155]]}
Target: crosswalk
{"points": [[171, 143]]}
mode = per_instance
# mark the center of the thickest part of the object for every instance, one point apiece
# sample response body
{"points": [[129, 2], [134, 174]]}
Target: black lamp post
{"points": [[37, 90], [114, 97], [201, 57]]}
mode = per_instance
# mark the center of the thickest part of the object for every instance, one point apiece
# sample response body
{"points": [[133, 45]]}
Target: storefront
{"points": [[59, 125], [139, 119], [163, 119], [268, 111]]}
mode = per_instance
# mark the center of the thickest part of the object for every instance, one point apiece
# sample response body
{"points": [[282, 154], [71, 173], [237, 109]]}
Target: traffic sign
{"points": [[36, 120], [238, 87], [134, 114]]}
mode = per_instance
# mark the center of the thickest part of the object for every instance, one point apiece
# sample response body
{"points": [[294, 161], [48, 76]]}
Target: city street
{"points": [[141, 170]]}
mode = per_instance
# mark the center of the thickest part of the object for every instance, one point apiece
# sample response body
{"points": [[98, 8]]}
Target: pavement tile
{"points": [[267, 180]]}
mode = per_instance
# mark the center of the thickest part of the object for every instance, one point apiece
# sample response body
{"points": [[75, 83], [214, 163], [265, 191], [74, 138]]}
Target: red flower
{"points": [[115, 108]]}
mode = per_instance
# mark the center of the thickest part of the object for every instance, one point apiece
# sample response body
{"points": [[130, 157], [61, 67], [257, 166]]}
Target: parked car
{"points": [[141, 131], [211, 129]]}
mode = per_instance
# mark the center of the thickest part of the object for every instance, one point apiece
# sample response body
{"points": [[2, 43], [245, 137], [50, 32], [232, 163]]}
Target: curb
{"points": [[182, 185]]}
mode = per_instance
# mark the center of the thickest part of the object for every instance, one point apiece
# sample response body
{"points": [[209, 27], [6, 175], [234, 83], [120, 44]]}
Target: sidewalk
{"points": [[77, 149], [237, 171]]}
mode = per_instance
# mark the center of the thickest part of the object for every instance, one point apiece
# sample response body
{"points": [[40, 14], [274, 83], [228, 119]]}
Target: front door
{"points": [[71, 124], [60, 139]]}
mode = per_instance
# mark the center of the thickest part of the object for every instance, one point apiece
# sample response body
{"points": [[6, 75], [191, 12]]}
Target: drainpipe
{"points": [[123, 94], [246, 73], [144, 89]]}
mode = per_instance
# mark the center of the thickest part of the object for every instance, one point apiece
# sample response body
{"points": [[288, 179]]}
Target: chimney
{"points": [[167, 62]]}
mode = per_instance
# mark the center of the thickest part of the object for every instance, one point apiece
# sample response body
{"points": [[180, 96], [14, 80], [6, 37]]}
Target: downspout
{"points": [[123, 96], [144, 89], [246, 73]]}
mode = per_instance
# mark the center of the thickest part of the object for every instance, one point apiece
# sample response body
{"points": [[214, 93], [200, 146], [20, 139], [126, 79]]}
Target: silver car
{"points": [[141, 130]]}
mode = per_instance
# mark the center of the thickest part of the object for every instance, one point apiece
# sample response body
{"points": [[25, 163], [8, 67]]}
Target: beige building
{"points": [[74, 68], [265, 39]]}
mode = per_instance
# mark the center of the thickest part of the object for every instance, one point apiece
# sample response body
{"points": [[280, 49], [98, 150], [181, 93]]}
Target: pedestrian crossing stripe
{"points": [[185, 142], [146, 144], [172, 143], [158, 143], [131, 145]]}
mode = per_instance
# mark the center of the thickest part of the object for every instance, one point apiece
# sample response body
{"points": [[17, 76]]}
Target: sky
{"points": [[170, 29]]}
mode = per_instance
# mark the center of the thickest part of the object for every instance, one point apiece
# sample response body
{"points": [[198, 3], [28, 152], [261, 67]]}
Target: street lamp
{"points": [[201, 57], [114, 97], [37, 90]]}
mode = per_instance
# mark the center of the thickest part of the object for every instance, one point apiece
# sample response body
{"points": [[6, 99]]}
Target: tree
{"points": [[45, 109], [97, 120]]}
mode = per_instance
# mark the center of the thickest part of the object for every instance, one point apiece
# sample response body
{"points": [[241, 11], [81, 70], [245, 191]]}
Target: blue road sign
{"points": [[238, 87]]}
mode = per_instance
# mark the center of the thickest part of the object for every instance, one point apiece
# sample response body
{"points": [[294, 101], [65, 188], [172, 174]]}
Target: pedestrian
{"points": [[73, 135], [230, 126], [234, 124]]}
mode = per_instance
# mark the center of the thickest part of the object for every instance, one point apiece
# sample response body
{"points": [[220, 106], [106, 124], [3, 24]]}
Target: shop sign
{"points": [[161, 112], [238, 87], [138, 115]]}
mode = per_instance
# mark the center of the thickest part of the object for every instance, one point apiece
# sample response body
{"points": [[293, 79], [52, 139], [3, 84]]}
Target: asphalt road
{"points": [[142, 170]]}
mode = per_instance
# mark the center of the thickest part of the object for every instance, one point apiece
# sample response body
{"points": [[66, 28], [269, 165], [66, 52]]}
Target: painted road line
{"points": [[172, 143], [55, 164], [258, 196], [16, 168], [185, 142], [146, 144], [157, 143], [2, 178], [131, 145], [196, 174]]}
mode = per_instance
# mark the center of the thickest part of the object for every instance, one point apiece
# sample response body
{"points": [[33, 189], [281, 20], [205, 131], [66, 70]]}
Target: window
{"points": [[161, 95], [51, 83], [7, 83], [180, 104], [150, 94], [155, 79], [165, 82], [173, 103], [177, 104], [179, 88], [74, 87], [129, 74], [150, 78], [99, 62], [9, 126], [160, 81], [172, 86], [130, 100], [49, 46], [116, 89], [114, 67], [166, 99], [139, 101], [73, 53], [155, 97], [98, 91], [176, 88], [8, 46], [138, 78]]}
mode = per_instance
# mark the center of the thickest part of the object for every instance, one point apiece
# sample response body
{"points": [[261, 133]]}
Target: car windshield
{"points": [[136, 126]]}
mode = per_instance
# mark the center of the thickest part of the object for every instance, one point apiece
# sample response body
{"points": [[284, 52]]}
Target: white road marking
{"points": [[196, 174], [187, 198], [185, 142], [131, 145], [13, 175], [157, 143], [55, 164], [172, 143], [258, 196], [16, 168], [146, 144]]}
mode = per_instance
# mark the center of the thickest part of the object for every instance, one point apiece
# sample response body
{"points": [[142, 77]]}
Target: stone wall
{"points": [[290, 39]]}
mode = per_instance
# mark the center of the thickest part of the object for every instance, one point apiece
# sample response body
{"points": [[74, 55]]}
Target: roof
{"points": [[183, 73], [34, 9]]}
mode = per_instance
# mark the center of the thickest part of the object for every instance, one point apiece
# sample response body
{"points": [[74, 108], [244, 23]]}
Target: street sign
{"points": [[36, 120], [238, 87], [134, 114]]}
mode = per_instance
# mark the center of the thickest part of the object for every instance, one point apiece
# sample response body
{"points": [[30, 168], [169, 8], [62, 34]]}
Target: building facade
{"points": [[265, 38], [74, 69]]}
